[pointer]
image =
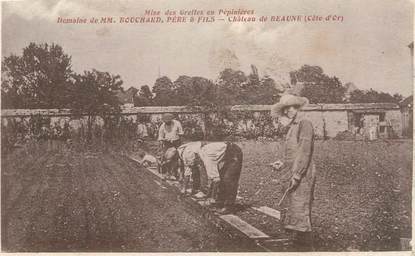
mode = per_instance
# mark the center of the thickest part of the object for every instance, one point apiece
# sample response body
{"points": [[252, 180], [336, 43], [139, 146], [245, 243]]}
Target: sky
{"points": [[369, 48]]}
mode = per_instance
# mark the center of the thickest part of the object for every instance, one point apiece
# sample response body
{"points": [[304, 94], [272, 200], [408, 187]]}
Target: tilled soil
{"points": [[362, 195], [92, 201]]}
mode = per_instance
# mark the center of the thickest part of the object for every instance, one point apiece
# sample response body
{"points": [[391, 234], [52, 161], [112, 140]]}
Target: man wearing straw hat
{"points": [[298, 168]]}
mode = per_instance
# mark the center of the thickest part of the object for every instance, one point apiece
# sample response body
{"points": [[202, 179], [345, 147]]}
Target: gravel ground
{"points": [[93, 201], [363, 191]]}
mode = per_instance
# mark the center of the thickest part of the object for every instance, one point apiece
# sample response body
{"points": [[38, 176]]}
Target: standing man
{"points": [[170, 132], [299, 168]]}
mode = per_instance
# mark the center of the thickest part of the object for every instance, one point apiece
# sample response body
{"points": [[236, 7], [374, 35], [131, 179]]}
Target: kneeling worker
{"points": [[222, 163]]}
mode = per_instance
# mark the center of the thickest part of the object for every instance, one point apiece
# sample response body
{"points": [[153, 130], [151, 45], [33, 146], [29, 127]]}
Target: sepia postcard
{"points": [[134, 126]]}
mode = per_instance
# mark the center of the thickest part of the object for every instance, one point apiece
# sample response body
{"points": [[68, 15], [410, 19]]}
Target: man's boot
{"points": [[303, 241]]}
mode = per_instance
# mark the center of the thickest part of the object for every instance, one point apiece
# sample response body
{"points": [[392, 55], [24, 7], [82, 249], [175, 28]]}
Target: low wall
{"points": [[394, 116], [248, 121]]}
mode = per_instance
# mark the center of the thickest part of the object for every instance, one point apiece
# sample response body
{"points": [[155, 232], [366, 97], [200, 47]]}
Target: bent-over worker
{"points": [[221, 162]]}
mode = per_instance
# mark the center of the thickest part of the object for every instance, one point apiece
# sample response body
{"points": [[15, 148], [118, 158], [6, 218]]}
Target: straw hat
{"points": [[167, 117], [286, 101]]}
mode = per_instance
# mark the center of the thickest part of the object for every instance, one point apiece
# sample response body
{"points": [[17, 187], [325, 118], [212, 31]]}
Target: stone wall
{"points": [[243, 121], [394, 116], [336, 121]]}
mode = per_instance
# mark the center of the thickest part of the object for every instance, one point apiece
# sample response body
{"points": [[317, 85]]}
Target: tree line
{"points": [[42, 77], [234, 87]]}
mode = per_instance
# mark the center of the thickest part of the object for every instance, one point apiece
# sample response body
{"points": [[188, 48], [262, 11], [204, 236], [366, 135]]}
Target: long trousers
{"points": [[229, 175]]}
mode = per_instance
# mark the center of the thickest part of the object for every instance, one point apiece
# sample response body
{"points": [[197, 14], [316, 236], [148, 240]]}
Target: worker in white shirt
{"points": [[222, 164], [170, 132]]}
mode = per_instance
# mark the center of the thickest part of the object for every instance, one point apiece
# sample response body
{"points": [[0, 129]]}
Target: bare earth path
{"points": [[95, 202]]}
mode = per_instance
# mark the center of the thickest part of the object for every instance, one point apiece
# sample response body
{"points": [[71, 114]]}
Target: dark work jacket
{"points": [[298, 163]]}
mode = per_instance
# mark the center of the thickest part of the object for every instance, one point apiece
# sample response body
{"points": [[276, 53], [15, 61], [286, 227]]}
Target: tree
{"points": [[40, 78], [331, 91], [198, 91], [268, 93], [308, 74], [249, 88], [144, 97], [229, 84], [258, 90], [234, 87], [372, 96], [195, 91], [317, 86], [164, 92], [145, 92], [94, 94]]}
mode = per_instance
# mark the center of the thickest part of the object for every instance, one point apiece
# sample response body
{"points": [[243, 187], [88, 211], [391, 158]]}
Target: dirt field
{"points": [[96, 201], [85, 201], [363, 191]]}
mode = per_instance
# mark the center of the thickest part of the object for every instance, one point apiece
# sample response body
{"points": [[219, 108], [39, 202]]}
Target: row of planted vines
{"points": [[120, 129]]}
